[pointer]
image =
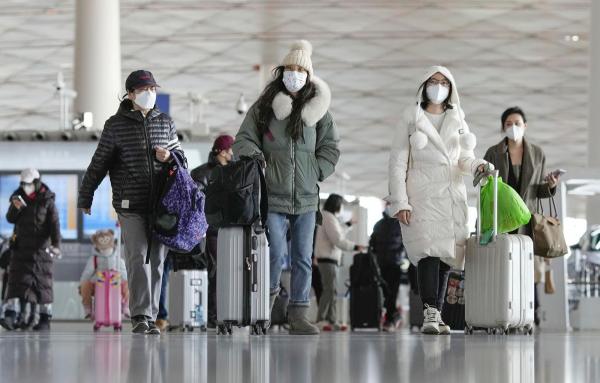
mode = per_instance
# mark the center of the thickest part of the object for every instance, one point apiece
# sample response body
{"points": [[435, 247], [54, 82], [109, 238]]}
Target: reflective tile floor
{"points": [[73, 353]]}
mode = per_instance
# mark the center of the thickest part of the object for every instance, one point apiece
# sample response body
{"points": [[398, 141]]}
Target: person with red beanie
{"points": [[220, 155]]}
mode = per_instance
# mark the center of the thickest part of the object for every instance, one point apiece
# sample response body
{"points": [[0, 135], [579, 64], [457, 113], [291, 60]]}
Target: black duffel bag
{"points": [[236, 194]]}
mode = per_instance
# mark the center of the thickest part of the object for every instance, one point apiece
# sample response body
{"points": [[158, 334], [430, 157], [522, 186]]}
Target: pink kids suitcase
{"points": [[107, 300]]}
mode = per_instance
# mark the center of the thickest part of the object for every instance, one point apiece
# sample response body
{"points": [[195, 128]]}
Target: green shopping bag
{"points": [[512, 210]]}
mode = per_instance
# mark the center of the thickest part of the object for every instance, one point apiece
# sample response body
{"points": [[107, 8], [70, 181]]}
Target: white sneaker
{"points": [[444, 328], [430, 321]]}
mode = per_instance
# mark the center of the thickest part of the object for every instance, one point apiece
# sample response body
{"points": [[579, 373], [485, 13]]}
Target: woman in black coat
{"points": [[37, 240]]}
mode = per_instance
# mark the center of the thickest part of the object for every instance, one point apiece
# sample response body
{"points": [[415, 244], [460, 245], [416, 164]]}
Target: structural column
{"points": [[593, 206], [97, 59]]}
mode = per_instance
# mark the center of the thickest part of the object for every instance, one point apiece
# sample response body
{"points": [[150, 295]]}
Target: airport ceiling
{"points": [[372, 53]]}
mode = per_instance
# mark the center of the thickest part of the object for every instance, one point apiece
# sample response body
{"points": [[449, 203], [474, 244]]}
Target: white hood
{"points": [[419, 140], [454, 99]]}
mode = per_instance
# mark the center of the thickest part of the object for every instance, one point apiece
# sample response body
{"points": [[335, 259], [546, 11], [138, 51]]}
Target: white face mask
{"points": [[145, 99], [106, 252], [294, 81], [515, 133], [28, 189], [437, 93]]}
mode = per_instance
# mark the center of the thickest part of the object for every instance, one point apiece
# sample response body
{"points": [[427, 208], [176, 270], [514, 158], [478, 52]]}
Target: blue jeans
{"points": [[163, 312], [302, 229]]}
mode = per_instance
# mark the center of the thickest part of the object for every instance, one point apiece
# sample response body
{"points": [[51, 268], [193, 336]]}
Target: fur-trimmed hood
{"points": [[314, 110]]}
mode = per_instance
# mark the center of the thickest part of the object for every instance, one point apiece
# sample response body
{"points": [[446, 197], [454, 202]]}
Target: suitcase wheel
{"points": [[118, 328], [203, 328], [224, 329], [96, 327]]}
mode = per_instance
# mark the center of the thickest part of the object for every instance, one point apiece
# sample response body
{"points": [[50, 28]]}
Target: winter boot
{"points": [[299, 323], [9, 320], [272, 298], [44, 323]]}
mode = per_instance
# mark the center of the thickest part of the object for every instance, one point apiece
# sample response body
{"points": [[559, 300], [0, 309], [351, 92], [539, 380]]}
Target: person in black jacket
{"points": [[134, 146], [37, 242], [220, 155], [386, 243]]}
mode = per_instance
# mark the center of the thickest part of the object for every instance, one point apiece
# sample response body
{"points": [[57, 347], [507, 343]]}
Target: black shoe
{"points": [[152, 329], [139, 324], [8, 322], [212, 324], [43, 324]]}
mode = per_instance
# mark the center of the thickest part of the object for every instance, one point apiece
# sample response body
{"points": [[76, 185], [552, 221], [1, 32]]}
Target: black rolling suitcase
{"points": [[366, 293], [453, 312]]}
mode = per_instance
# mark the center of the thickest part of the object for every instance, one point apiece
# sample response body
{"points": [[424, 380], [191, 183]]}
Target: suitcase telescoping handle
{"points": [[494, 175]]}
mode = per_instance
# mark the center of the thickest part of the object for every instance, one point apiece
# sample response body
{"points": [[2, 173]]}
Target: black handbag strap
{"points": [[264, 198], [551, 204]]}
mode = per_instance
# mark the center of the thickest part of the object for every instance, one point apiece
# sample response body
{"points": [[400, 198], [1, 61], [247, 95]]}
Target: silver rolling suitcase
{"points": [[188, 299], [242, 280], [499, 286]]}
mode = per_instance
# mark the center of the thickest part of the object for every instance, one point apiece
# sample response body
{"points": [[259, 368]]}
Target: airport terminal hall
{"points": [[328, 191]]}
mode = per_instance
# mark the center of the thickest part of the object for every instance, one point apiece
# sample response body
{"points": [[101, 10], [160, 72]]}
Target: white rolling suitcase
{"points": [[499, 284], [242, 280], [188, 299]]}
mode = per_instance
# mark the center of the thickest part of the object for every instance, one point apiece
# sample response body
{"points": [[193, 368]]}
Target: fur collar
{"points": [[313, 111]]}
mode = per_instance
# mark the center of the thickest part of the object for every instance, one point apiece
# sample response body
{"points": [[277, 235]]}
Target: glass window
{"points": [[65, 188]]}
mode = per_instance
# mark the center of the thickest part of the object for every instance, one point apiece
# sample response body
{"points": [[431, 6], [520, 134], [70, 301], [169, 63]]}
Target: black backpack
{"points": [[236, 194]]}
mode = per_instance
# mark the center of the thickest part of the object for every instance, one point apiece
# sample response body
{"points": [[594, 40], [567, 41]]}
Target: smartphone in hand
{"points": [[20, 199]]}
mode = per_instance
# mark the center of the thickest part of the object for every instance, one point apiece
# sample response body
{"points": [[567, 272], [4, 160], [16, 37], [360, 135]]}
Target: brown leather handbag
{"points": [[548, 237]]}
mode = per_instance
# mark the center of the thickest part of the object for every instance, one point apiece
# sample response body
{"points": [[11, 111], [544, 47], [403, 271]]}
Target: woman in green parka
{"points": [[291, 129]]}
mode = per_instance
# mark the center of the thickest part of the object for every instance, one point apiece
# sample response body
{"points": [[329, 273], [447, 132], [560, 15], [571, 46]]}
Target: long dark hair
{"points": [[334, 203], [295, 127]]}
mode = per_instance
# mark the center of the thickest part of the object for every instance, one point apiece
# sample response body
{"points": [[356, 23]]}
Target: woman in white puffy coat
{"points": [[432, 151]]}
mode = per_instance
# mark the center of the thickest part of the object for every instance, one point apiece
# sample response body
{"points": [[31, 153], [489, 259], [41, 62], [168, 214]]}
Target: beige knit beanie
{"points": [[300, 53]]}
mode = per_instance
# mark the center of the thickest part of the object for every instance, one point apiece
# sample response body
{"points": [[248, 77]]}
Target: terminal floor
{"points": [[71, 352]]}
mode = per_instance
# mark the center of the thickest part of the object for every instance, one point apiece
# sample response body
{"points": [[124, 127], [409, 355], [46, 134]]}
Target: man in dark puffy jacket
{"points": [[135, 144], [220, 155], [386, 243], [37, 241]]}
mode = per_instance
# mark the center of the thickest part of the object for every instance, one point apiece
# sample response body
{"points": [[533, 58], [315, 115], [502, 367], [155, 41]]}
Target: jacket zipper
{"points": [[150, 167], [293, 175]]}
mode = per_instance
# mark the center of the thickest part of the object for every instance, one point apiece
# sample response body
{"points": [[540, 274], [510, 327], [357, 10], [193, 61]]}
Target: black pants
{"points": [[211, 255], [316, 282], [433, 280], [391, 274]]}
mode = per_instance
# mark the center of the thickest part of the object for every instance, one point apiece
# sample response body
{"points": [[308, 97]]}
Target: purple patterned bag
{"points": [[180, 223]]}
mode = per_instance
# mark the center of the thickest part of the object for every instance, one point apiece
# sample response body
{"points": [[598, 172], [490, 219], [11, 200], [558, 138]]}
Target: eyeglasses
{"points": [[444, 83], [23, 184]]}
